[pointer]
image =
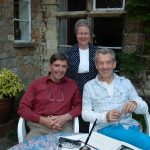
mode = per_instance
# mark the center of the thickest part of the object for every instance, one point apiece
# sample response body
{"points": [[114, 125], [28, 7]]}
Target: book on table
{"points": [[99, 142]]}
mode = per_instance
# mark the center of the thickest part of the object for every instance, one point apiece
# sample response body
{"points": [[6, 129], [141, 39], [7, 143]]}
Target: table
{"points": [[50, 142], [45, 142]]}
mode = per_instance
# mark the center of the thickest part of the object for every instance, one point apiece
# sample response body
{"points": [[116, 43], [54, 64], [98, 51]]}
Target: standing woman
{"points": [[81, 63], [80, 56]]}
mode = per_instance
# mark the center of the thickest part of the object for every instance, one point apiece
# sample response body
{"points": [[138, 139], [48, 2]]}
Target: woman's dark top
{"points": [[74, 60]]}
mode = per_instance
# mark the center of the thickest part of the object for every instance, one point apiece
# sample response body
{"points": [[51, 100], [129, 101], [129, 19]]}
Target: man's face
{"points": [[105, 65], [58, 70], [83, 36]]}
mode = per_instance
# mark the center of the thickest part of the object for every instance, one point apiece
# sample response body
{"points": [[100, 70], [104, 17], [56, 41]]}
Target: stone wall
{"points": [[50, 34], [29, 61], [135, 40]]}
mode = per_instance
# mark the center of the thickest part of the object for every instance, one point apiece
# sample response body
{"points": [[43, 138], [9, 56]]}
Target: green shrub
{"points": [[10, 84]]}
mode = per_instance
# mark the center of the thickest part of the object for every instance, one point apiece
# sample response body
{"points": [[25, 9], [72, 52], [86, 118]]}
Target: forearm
{"points": [[142, 107], [76, 104], [25, 108], [76, 111], [27, 114], [43, 120], [91, 116]]}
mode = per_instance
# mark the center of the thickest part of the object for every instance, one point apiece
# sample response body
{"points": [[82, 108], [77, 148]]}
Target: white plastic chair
{"points": [[76, 125], [146, 117], [22, 130], [147, 121]]}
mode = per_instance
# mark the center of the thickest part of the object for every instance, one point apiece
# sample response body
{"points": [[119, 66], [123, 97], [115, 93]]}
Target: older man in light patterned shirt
{"points": [[111, 100]]}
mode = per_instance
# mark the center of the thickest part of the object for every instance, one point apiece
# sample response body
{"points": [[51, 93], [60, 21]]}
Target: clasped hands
{"points": [[115, 115], [55, 122]]}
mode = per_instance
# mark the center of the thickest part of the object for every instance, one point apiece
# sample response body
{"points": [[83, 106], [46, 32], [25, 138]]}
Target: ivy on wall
{"points": [[139, 10], [139, 60]]}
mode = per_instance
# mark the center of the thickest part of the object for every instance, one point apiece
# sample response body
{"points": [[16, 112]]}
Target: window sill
{"points": [[18, 44]]}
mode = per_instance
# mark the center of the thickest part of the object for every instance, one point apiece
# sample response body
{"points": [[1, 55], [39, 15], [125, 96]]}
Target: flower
{"points": [[10, 84]]}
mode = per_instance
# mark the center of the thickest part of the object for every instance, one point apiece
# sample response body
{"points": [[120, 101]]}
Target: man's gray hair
{"points": [[82, 22], [105, 51]]}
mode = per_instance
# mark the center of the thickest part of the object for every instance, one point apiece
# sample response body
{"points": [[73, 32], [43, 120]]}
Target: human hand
{"points": [[56, 125], [62, 119], [129, 107], [55, 122], [113, 116], [50, 122]]}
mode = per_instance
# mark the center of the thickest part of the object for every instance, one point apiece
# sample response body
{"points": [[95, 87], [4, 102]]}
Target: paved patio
{"points": [[8, 135], [6, 142]]}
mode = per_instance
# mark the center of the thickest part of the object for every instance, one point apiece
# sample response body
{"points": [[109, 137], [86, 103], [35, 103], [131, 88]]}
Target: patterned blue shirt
{"points": [[97, 102]]}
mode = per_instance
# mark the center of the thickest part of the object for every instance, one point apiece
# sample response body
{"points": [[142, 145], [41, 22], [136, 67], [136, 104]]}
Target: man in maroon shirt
{"points": [[51, 102]]}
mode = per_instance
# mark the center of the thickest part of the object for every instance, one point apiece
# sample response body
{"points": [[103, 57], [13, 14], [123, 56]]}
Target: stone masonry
{"points": [[31, 61]]}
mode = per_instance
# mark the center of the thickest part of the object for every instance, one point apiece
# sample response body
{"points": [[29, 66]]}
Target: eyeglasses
{"points": [[57, 97]]}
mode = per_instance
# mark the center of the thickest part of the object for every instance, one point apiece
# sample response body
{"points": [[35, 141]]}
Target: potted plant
{"points": [[10, 86]]}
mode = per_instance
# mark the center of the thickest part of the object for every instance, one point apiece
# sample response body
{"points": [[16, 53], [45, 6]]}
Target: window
{"points": [[106, 36], [103, 35], [66, 25], [107, 25], [77, 5], [108, 4], [68, 5], [22, 21]]}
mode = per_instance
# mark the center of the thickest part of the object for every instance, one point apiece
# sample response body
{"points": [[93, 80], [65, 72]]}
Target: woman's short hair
{"points": [[82, 22]]}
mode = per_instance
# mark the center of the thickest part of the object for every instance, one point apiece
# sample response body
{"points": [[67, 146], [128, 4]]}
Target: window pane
{"points": [[70, 33], [108, 32], [16, 9], [17, 31], [22, 20], [63, 31], [76, 5], [21, 30], [23, 10], [24, 27], [63, 5], [109, 3]]}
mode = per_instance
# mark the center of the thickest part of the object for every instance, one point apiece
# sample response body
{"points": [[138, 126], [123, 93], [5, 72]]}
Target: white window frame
{"points": [[25, 29], [107, 9]]}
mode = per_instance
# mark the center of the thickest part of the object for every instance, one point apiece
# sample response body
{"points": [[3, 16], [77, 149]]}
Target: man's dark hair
{"points": [[58, 56]]}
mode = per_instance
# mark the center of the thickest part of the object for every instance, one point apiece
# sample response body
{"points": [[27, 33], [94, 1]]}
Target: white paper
{"points": [[100, 141]]}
